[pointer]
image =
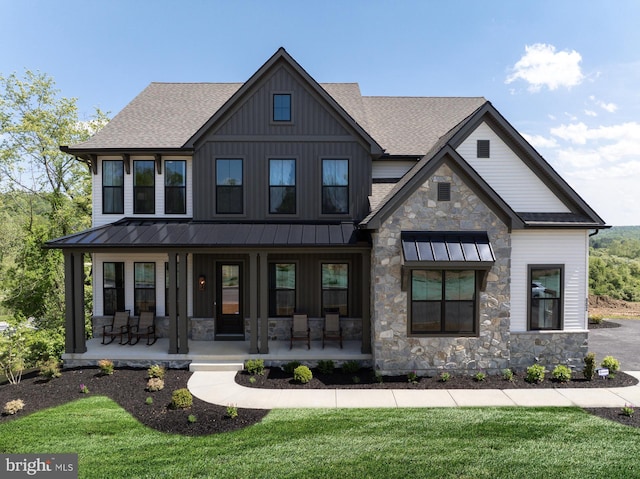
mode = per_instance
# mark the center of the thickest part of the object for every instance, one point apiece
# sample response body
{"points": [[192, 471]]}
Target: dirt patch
{"points": [[607, 307]]}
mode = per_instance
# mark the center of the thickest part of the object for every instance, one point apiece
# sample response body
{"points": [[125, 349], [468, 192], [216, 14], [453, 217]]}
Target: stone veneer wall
{"points": [[394, 352], [548, 348]]}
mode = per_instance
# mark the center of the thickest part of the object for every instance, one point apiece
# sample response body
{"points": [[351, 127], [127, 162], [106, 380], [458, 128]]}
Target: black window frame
{"points": [[111, 191], [275, 291], [442, 302], [144, 196], [109, 306], [289, 190], [550, 296], [336, 187], [229, 189], [138, 290], [285, 111], [172, 192], [332, 290]]}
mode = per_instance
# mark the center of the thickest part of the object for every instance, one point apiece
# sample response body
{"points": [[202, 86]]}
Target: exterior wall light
{"points": [[202, 282]]}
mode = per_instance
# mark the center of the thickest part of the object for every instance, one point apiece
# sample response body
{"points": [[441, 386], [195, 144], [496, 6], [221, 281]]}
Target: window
{"points": [[444, 191], [112, 187], [483, 148], [443, 302], [282, 300], [113, 287], [175, 187], [229, 193], [282, 186], [281, 107], [545, 310], [144, 187], [335, 186], [144, 292], [335, 287]]}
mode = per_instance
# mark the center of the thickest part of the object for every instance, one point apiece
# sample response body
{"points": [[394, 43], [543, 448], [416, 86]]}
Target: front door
{"points": [[229, 317]]}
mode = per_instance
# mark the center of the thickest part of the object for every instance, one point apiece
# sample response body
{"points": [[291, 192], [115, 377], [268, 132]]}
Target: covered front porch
{"points": [[140, 355]]}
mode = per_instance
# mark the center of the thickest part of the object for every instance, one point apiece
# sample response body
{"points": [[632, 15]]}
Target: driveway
{"points": [[622, 343]]}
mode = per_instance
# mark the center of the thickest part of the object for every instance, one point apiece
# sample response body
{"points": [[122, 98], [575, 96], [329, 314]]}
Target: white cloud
{"points": [[612, 142], [590, 113], [610, 107], [539, 141], [542, 66]]}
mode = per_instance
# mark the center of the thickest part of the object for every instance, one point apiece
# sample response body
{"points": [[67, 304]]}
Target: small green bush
{"points": [[379, 377], [535, 373], [589, 370], [232, 411], [507, 375], [255, 366], [356, 379], [149, 401], [302, 374], [350, 367], [628, 410], [84, 389], [444, 377], [596, 319], [156, 371], [480, 376], [611, 363], [412, 377], [106, 367], [13, 407], [155, 384], [561, 373], [50, 369], [291, 366], [191, 418], [181, 399], [326, 366], [252, 379]]}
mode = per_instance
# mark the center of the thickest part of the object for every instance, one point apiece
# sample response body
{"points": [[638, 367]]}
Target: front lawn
{"points": [[388, 443]]}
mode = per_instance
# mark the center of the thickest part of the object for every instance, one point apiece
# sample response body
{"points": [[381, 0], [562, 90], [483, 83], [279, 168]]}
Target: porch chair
{"points": [[332, 330], [146, 328], [300, 330], [119, 327]]}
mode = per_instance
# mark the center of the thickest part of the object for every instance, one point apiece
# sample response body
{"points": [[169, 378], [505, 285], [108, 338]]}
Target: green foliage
{"points": [[412, 377], [480, 376], [561, 373], [291, 366], [611, 363], [589, 370], [14, 352], [13, 407], [191, 418], [106, 367], [181, 399], [156, 371], [326, 366], [44, 345], [350, 367], [149, 401], [302, 374], [232, 411], [444, 377], [596, 318], [535, 373], [50, 369], [84, 389], [628, 410], [507, 375], [379, 377], [255, 366], [356, 379]]}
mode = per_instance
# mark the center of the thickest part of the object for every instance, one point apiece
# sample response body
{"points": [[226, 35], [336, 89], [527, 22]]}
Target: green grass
{"points": [[388, 443]]}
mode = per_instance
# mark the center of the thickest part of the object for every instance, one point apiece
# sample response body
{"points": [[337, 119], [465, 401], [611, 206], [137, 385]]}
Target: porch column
{"points": [[173, 314], [74, 340], [264, 304], [366, 303], [183, 323], [253, 302]]}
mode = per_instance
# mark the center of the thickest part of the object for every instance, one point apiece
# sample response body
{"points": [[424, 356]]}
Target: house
{"points": [[440, 235]]}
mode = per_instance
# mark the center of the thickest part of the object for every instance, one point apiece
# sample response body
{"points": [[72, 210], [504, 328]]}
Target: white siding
{"points": [[129, 259], [100, 219], [512, 179], [391, 169], [568, 248]]}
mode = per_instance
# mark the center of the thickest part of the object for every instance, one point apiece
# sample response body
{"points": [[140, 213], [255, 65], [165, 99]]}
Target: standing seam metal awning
{"points": [[447, 249]]}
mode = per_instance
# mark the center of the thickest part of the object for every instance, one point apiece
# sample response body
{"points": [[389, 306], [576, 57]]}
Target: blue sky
{"points": [[566, 74]]}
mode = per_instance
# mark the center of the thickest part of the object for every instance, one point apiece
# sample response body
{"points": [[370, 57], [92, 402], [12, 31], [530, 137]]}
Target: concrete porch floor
{"points": [[211, 351]]}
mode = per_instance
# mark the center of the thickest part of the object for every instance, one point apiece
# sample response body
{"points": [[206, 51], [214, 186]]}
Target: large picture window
{"points": [[443, 302], [144, 292], [335, 186], [175, 187], [112, 187], [282, 186], [113, 287], [335, 287], [144, 187], [282, 301], [229, 195], [545, 310]]}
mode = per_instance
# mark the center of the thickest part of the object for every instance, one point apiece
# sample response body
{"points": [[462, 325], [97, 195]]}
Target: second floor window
{"points": [[229, 193], [282, 186], [112, 187], [282, 107], [175, 187], [335, 186], [144, 187]]}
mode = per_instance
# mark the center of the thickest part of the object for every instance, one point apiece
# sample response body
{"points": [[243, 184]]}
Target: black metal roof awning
{"points": [[470, 249], [141, 233]]}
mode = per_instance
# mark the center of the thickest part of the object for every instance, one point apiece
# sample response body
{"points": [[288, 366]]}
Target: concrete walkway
{"points": [[219, 387]]}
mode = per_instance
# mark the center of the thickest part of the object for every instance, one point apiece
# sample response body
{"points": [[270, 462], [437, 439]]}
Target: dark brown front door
{"points": [[229, 317]]}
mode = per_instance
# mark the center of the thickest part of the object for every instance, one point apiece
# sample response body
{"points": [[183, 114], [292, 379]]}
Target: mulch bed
{"points": [[603, 325]]}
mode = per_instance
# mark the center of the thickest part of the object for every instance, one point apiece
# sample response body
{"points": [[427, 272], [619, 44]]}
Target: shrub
{"points": [[507, 374], [350, 367], [326, 366], [302, 374], [156, 371], [356, 379], [379, 377], [12, 407], [480, 376], [191, 418], [628, 410], [412, 377], [589, 370], [232, 411], [84, 389], [535, 373], [181, 399], [155, 384], [444, 377], [596, 319], [252, 379], [50, 369], [149, 401], [255, 366], [291, 366], [611, 363], [106, 366], [561, 373]]}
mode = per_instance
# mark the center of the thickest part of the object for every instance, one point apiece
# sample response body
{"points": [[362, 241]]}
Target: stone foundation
{"points": [[548, 348]]}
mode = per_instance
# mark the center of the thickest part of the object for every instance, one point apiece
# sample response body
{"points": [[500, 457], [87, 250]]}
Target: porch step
{"points": [[216, 366]]}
